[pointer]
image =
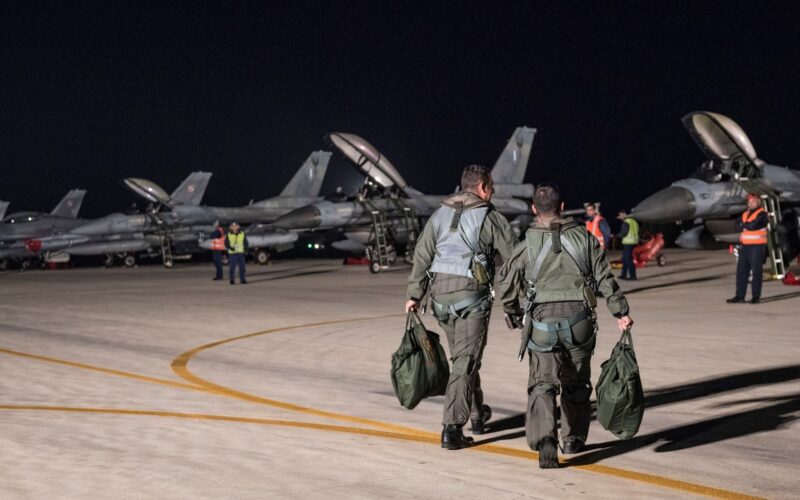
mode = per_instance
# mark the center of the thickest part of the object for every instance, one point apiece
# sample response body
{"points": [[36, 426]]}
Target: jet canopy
{"points": [[368, 159], [148, 190], [719, 137], [22, 217]]}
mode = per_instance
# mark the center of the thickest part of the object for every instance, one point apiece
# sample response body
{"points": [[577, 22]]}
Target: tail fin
{"points": [[513, 161], [307, 182], [3, 208], [70, 205], [191, 190]]}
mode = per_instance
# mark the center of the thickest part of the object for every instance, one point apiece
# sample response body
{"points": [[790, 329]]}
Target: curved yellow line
{"points": [[179, 366]]}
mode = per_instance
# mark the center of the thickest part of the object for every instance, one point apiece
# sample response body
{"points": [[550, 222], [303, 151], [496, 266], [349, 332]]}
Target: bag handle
{"points": [[626, 338]]}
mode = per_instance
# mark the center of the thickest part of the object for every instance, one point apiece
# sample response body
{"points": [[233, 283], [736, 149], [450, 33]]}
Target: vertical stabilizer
{"points": [[191, 190], [513, 161], [307, 181], [70, 205], [3, 208]]}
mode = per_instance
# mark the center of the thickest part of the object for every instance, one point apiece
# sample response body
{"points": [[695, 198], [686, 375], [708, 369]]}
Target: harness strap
{"points": [[460, 307], [561, 324], [458, 207]]}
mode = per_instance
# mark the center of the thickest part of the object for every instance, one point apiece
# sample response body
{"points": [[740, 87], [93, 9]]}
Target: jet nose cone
{"points": [[308, 217], [668, 205]]}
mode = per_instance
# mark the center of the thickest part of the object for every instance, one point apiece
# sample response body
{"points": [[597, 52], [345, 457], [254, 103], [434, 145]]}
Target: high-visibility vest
{"points": [[236, 241], [219, 243], [593, 226], [756, 236], [632, 238]]}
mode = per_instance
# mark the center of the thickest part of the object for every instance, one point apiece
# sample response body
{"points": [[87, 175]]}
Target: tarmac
{"points": [[148, 382]]}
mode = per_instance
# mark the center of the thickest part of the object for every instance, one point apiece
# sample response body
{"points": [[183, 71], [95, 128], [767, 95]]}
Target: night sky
{"points": [[90, 94]]}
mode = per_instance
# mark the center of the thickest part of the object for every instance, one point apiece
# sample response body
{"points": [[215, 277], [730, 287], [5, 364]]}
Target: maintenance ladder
{"points": [[772, 205], [380, 238], [162, 232]]}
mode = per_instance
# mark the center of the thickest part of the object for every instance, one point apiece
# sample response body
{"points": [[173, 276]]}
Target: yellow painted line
{"points": [[498, 450], [179, 366], [109, 371]]}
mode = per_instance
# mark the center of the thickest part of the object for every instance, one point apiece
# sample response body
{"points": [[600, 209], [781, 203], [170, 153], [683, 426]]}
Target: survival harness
{"points": [[562, 327], [457, 228]]}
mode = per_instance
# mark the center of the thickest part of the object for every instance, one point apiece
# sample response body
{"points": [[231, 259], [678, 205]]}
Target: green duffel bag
{"points": [[620, 398], [419, 366]]}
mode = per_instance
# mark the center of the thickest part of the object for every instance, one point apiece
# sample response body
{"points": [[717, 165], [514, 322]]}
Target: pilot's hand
{"points": [[624, 323], [412, 305]]}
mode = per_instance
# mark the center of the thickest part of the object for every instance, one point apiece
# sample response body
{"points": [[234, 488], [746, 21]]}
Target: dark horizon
{"points": [[93, 94]]}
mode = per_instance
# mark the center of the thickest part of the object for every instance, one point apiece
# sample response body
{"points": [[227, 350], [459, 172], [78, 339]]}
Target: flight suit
{"points": [[461, 306], [560, 321]]}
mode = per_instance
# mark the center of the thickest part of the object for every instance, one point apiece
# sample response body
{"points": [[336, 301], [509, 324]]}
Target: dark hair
{"points": [[590, 205], [547, 198], [473, 176]]}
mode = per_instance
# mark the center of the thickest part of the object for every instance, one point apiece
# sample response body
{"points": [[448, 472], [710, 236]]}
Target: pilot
{"points": [[752, 250], [217, 247], [598, 226], [559, 267], [454, 264], [236, 243]]}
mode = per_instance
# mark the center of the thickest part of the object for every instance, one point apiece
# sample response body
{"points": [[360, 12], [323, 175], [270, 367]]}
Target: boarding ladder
{"points": [[378, 253], [772, 205], [162, 232]]}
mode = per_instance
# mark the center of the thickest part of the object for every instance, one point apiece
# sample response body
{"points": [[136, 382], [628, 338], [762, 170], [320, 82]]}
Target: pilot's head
{"points": [[477, 179], [622, 215], [547, 200], [753, 201], [235, 228]]}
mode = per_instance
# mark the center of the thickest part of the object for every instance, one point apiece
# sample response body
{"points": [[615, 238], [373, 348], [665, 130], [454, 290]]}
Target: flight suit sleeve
{"points": [[606, 284], [511, 279], [498, 234], [424, 252]]}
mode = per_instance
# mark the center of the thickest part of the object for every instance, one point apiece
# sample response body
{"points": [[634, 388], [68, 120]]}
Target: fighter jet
{"points": [[179, 221], [387, 204], [715, 194], [20, 232]]}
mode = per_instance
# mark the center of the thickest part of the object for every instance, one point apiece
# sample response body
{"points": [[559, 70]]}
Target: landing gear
{"points": [[661, 260], [129, 260], [108, 260], [262, 257], [25, 264], [169, 263], [4, 265]]}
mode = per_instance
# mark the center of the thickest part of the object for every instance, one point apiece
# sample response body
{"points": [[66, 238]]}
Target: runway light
{"points": [[316, 246], [310, 246]]}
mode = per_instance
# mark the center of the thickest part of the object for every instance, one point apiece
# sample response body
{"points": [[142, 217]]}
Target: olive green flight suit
{"points": [[466, 331], [559, 363]]}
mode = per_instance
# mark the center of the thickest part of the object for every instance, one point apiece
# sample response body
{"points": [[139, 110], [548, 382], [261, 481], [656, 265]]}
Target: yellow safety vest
{"points": [[236, 241]]}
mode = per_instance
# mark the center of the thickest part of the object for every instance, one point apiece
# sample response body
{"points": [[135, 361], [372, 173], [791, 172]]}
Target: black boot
{"points": [[479, 426], [453, 438], [548, 453], [735, 300], [572, 445], [755, 300]]}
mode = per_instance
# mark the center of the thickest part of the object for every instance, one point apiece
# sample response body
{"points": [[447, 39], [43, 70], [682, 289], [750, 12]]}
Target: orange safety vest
{"points": [[754, 237], [593, 226], [219, 243]]}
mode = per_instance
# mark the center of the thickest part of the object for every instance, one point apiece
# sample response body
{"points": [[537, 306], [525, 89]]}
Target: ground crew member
{"points": [[454, 264], [629, 234], [217, 247], [598, 226], [560, 267], [753, 249], [236, 243]]}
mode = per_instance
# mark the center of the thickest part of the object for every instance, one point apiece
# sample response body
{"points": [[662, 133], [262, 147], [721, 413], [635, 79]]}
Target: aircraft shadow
{"points": [[776, 298], [697, 433], [671, 284]]}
